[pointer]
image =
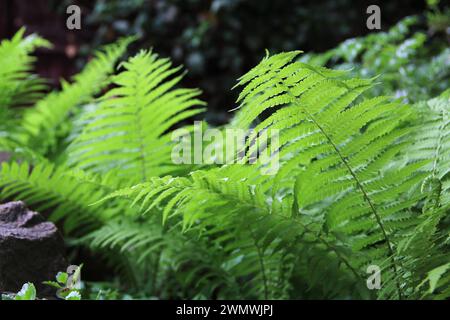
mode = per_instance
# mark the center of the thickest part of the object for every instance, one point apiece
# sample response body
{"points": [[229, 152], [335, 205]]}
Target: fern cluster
{"points": [[363, 178], [411, 62]]}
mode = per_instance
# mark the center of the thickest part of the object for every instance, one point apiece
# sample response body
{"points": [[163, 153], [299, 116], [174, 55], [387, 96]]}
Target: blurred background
{"points": [[216, 40]]}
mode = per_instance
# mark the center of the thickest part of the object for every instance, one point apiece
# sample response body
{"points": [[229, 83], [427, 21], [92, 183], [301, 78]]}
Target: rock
{"points": [[31, 249]]}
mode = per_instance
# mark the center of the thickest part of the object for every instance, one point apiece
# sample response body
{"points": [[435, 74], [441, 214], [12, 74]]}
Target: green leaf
{"points": [[73, 295], [435, 275], [53, 284], [28, 292], [62, 277]]}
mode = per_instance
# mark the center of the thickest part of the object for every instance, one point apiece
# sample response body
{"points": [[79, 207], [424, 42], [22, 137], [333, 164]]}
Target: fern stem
{"points": [[140, 135], [439, 143], [156, 270], [261, 264]]}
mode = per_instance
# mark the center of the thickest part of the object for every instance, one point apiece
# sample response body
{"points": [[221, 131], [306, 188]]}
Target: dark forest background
{"points": [[216, 40]]}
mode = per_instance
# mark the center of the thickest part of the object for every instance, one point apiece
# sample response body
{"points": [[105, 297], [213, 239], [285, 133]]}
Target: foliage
{"points": [[135, 116], [411, 61], [363, 177], [218, 40], [18, 85], [28, 292], [66, 285]]}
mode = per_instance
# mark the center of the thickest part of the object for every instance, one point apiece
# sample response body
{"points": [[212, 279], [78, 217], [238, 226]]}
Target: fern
{"points": [[426, 249], [18, 86], [66, 194], [347, 146], [44, 124], [246, 231], [362, 178], [342, 145], [129, 127], [158, 260], [433, 141], [410, 62]]}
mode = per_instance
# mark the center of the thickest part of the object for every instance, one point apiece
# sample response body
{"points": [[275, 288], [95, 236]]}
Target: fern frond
{"points": [[67, 195], [45, 124], [159, 257], [432, 141], [343, 145], [257, 243], [129, 129], [18, 86], [426, 248]]}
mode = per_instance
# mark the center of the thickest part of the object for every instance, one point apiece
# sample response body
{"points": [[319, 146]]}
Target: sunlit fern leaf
{"points": [[18, 86], [49, 120], [129, 129], [343, 145]]}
